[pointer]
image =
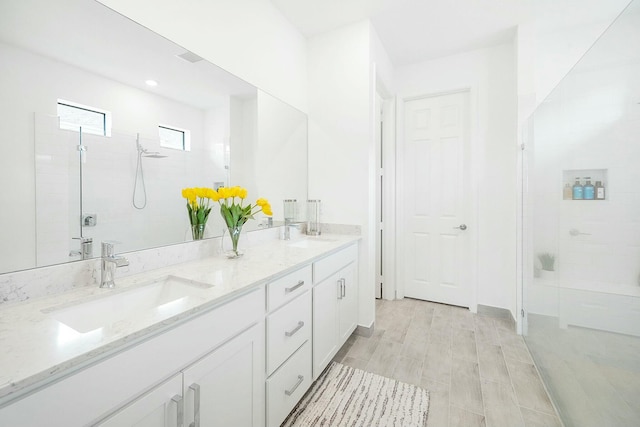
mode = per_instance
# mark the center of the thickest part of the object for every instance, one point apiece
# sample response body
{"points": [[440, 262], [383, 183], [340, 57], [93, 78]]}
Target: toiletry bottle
{"points": [[588, 191], [599, 191], [567, 193], [577, 190]]}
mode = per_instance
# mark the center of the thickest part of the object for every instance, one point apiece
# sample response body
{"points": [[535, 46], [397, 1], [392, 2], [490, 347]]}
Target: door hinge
{"points": [[522, 312], [522, 147]]}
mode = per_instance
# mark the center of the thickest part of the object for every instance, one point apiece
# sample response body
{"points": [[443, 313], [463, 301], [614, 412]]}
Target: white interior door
{"points": [[436, 199]]}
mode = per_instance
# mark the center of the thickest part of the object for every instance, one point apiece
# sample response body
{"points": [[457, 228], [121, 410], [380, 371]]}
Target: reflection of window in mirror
{"points": [[74, 116], [176, 138]]}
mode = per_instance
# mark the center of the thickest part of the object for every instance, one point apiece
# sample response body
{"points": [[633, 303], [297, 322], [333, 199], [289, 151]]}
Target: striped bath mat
{"points": [[345, 396]]}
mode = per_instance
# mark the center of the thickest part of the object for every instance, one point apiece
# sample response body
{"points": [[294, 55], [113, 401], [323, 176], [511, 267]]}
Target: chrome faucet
{"points": [[108, 264], [288, 223], [86, 248]]}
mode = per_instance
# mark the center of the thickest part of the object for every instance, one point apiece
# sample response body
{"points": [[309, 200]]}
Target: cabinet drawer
{"points": [[287, 329], [287, 386], [329, 265], [288, 287]]}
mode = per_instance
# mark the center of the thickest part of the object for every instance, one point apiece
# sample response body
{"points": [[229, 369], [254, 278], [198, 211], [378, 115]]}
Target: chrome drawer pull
{"points": [[293, 389], [178, 401], [196, 405], [293, 288], [294, 330]]}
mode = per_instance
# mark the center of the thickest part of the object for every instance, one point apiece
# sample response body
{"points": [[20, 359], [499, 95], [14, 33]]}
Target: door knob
{"points": [[461, 227]]}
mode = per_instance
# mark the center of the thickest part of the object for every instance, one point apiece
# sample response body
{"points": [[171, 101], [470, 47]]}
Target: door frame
{"points": [[472, 207]]}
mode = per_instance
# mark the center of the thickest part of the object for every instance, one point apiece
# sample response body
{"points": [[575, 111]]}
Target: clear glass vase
{"points": [[197, 231], [234, 233]]}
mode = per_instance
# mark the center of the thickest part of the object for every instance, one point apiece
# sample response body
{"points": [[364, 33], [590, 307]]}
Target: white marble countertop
{"points": [[35, 347]]}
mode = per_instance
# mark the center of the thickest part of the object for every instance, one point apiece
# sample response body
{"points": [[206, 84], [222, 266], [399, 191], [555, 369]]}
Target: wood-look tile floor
{"points": [[477, 369]]}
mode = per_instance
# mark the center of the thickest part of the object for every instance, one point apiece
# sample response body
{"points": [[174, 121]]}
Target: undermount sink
{"points": [[166, 296], [315, 242]]}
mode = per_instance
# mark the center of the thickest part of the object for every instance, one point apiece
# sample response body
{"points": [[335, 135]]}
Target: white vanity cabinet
{"points": [[288, 364], [335, 304], [131, 387], [244, 362]]}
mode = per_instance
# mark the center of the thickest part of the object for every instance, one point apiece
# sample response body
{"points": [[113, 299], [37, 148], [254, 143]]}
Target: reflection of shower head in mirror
{"points": [[152, 154], [143, 152]]}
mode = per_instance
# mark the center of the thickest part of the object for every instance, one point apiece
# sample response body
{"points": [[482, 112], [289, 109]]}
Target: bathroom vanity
{"points": [[214, 341]]}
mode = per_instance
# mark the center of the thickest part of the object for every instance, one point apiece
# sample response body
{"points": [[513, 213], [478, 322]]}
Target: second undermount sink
{"points": [[165, 297], [314, 242]]}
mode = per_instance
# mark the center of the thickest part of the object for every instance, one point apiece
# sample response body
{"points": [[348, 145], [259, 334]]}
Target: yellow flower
{"points": [[223, 192], [242, 193], [213, 195], [189, 194], [262, 202], [266, 209]]}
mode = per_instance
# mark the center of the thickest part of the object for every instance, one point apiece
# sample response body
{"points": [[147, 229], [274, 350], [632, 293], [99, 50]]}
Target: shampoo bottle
{"points": [[588, 190], [567, 193], [578, 190], [599, 191]]}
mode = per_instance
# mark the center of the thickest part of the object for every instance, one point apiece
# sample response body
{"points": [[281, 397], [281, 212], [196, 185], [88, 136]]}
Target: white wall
{"points": [[341, 89], [490, 74], [248, 38]]}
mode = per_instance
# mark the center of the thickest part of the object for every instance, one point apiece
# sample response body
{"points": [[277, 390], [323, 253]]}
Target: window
{"points": [[92, 120], [171, 137]]}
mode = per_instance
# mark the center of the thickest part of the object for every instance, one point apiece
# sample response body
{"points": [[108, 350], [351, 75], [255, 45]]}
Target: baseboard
{"points": [[365, 331], [502, 313]]}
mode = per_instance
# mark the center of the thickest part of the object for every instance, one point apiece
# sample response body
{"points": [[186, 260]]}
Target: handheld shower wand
{"points": [[142, 152]]}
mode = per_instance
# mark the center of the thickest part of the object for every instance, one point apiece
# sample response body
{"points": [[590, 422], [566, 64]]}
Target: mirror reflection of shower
{"points": [[142, 152]]}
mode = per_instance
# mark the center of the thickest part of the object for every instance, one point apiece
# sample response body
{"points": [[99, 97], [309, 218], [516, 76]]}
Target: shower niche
{"points": [[594, 184]]}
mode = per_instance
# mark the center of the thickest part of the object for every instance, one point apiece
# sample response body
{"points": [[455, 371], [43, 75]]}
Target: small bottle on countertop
{"points": [[600, 193], [578, 190], [567, 193], [588, 191]]}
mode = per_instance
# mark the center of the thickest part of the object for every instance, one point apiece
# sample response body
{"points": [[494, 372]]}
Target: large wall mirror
{"points": [[90, 150]]}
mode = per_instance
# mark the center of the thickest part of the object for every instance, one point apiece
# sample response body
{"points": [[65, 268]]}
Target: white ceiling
{"points": [[90, 36], [415, 30]]}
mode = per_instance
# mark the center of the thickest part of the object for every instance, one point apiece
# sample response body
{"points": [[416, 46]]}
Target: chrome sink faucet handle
{"points": [[108, 264]]}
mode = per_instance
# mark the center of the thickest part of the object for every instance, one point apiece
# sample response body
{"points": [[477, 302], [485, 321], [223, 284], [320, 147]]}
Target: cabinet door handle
{"points": [[177, 399], [344, 287], [293, 288], [294, 330], [196, 405], [292, 389], [339, 288]]}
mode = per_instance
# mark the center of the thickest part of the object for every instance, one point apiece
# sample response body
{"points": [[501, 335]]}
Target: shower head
{"points": [[153, 155]]}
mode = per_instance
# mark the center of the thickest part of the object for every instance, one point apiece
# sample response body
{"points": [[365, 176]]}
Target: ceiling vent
{"points": [[190, 57]]}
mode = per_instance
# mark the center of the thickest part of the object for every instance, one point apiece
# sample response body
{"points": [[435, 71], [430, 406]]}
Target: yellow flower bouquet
{"points": [[198, 206], [235, 214]]}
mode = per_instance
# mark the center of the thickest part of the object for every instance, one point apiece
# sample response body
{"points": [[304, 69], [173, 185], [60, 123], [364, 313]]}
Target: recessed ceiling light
{"points": [[151, 83]]}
